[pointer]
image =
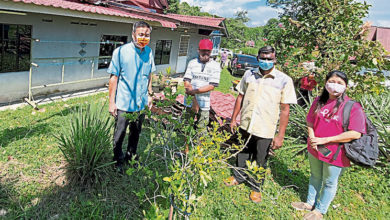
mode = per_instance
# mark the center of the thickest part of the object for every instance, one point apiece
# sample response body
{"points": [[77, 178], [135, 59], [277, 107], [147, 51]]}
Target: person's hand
{"points": [[150, 102], [112, 109], [190, 92], [195, 105], [319, 141], [277, 142], [233, 125], [311, 143], [188, 88]]}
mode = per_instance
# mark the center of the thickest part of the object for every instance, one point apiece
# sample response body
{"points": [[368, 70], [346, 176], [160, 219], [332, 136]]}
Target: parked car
{"points": [[241, 62], [229, 52]]}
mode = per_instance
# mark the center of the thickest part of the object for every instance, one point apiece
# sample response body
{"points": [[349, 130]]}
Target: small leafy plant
{"points": [[181, 176]]}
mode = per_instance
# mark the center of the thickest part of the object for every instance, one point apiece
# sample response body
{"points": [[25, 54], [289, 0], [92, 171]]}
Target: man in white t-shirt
{"points": [[201, 77]]}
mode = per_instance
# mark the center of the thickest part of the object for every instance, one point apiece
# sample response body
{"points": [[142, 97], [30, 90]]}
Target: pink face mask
{"points": [[335, 88]]}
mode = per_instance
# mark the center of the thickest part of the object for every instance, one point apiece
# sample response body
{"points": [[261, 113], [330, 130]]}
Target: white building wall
{"points": [[14, 85]]}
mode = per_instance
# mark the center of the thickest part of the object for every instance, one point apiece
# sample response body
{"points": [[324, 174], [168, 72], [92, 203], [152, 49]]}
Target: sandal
{"points": [[301, 206], [313, 215]]}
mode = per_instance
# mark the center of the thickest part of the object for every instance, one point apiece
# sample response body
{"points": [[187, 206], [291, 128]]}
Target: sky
{"points": [[259, 12]]}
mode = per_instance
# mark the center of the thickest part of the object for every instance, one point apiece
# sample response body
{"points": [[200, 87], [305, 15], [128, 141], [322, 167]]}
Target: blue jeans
{"points": [[322, 184]]}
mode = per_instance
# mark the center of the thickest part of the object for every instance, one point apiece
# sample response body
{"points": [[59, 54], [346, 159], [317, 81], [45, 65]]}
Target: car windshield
{"points": [[247, 59]]}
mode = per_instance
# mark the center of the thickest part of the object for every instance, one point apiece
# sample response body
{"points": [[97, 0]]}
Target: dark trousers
{"points": [[121, 124], [257, 150]]}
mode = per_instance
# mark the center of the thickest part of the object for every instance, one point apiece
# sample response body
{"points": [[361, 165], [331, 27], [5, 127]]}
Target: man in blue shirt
{"points": [[130, 68]]}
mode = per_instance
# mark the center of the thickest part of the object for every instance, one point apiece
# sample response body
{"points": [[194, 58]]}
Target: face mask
{"points": [[265, 64], [335, 88], [143, 41]]}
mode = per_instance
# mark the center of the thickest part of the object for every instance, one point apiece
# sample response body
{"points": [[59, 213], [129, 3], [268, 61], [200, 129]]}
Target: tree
{"points": [[242, 16], [331, 33], [240, 33], [271, 27], [185, 9], [173, 6]]}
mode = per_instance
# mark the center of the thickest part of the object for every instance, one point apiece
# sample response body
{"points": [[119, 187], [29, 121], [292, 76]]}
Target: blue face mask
{"points": [[265, 64]]}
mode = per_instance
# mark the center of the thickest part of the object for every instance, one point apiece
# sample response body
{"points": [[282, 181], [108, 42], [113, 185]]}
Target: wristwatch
{"points": [[151, 94]]}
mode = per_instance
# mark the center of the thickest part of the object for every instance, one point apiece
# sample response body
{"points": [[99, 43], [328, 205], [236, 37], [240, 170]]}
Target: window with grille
{"points": [[15, 47], [111, 42], [183, 47], [163, 52]]}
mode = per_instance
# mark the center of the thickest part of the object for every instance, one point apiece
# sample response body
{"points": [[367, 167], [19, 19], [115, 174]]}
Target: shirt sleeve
{"points": [[114, 67], [310, 118], [188, 73], [357, 119], [215, 74], [288, 93], [242, 85], [153, 69]]}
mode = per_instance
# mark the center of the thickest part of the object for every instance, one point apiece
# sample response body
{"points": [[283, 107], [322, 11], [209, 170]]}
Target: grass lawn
{"points": [[225, 82], [33, 181]]}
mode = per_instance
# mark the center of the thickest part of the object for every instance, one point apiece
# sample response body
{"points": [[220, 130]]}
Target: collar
{"points": [[136, 48], [272, 74]]}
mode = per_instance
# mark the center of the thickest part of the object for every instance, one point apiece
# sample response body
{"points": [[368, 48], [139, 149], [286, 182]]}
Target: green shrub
{"points": [[175, 179], [296, 131], [377, 108], [86, 144]]}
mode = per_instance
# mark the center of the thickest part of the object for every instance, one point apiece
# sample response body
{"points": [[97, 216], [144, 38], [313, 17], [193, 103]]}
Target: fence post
{"points": [[93, 66], [63, 70], [29, 99], [30, 83]]}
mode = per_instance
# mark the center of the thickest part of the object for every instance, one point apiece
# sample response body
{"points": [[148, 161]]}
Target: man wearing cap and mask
{"points": [[265, 95], [129, 85], [201, 77]]}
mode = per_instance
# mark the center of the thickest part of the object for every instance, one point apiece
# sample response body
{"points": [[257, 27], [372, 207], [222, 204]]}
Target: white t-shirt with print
{"points": [[200, 75]]}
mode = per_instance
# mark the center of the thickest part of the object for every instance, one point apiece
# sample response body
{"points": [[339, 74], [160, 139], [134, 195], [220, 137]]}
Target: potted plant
{"points": [[158, 82]]}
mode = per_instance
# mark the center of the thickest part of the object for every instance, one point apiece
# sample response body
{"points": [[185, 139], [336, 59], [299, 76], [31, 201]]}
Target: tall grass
{"points": [[86, 144], [377, 108], [296, 131]]}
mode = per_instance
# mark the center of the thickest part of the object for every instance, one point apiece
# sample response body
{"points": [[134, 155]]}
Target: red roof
{"points": [[158, 5], [221, 103], [161, 4], [381, 34], [76, 6], [205, 21], [166, 20], [371, 33]]}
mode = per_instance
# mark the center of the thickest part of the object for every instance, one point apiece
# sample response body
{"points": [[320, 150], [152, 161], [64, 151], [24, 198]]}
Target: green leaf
{"points": [[167, 179]]}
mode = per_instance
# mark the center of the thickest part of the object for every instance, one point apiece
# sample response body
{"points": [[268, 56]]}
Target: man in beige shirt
{"points": [[264, 99]]}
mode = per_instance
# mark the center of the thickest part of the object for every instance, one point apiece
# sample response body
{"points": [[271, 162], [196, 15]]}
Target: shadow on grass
{"points": [[40, 127], [286, 176], [10, 135], [62, 113], [5, 197], [112, 199]]}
